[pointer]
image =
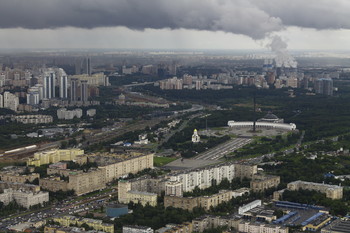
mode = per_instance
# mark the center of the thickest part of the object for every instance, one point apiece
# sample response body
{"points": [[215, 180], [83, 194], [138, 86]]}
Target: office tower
{"points": [[324, 86], [49, 85], [63, 85], [84, 91], [73, 89]]}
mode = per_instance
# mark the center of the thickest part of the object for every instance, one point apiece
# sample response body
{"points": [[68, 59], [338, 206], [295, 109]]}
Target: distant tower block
{"points": [[195, 137]]}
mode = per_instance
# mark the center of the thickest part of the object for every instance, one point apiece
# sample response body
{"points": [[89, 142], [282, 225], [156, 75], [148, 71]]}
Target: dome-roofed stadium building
{"points": [[268, 121]]}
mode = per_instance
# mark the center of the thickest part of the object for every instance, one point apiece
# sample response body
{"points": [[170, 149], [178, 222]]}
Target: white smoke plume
{"points": [[283, 58]]}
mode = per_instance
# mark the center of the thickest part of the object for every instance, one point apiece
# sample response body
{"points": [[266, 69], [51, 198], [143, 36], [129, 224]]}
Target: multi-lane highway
{"points": [[221, 150]]}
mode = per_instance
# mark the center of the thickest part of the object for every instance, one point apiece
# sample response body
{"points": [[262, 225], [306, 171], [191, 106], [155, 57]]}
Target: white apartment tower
{"points": [[1, 101], [2, 80], [33, 96], [63, 84], [49, 84], [11, 101]]}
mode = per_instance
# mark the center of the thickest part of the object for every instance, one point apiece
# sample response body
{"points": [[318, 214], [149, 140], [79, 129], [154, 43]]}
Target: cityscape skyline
{"points": [[187, 116]]}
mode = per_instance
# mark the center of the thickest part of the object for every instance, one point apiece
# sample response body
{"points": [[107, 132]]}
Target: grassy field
{"points": [[161, 161], [5, 164]]}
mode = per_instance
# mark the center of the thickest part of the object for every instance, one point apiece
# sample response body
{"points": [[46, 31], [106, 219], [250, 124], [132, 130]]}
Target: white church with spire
{"points": [[195, 136]]}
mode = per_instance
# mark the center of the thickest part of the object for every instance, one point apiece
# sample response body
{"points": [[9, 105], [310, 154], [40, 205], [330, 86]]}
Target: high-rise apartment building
{"points": [[78, 66], [324, 86], [1, 101], [63, 84], [2, 80], [73, 89], [87, 66], [49, 84], [11, 101], [33, 96], [84, 91]]}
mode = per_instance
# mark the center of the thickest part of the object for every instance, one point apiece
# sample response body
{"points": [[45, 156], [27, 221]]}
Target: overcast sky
{"points": [[170, 24]]}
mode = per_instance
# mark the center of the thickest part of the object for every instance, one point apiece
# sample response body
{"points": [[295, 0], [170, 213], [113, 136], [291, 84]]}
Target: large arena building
{"points": [[268, 121]]}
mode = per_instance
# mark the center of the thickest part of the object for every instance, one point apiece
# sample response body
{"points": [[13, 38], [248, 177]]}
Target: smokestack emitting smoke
{"points": [[283, 58], [254, 18]]}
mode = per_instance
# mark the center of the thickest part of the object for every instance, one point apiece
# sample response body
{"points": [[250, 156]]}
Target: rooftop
{"points": [[137, 227], [339, 226], [143, 193]]}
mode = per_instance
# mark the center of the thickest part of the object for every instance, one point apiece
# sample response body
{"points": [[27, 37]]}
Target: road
{"points": [[223, 149]]}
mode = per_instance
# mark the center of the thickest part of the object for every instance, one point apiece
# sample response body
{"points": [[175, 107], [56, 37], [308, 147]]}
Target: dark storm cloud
{"points": [[239, 16], [317, 14], [254, 18]]}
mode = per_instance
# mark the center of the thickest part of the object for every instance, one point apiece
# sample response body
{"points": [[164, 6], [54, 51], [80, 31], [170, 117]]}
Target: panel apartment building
{"points": [[79, 181]]}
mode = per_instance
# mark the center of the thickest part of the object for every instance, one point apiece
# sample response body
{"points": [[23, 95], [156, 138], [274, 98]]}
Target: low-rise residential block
{"points": [[137, 229], [54, 156], [185, 227], [95, 224], [189, 203], [261, 183], [33, 119], [331, 191], [18, 178], [252, 227], [24, 198]]}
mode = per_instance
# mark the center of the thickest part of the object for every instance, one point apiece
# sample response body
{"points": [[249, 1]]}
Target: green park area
{"points": [[161, 161]]}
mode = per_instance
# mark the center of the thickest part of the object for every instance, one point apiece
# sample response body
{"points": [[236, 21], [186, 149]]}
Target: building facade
{"points": [[18, 178], [173, 188], [185, 227], [260, 183], [205, 222], [25, 199], [137, 229], [206, 202], [9, 101], [34, 119], [249, 124], [116, 168], [54, 156], [64, 114], [126, 195], [79, 181], [95, 224], [250, 227], [331, 191]]}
